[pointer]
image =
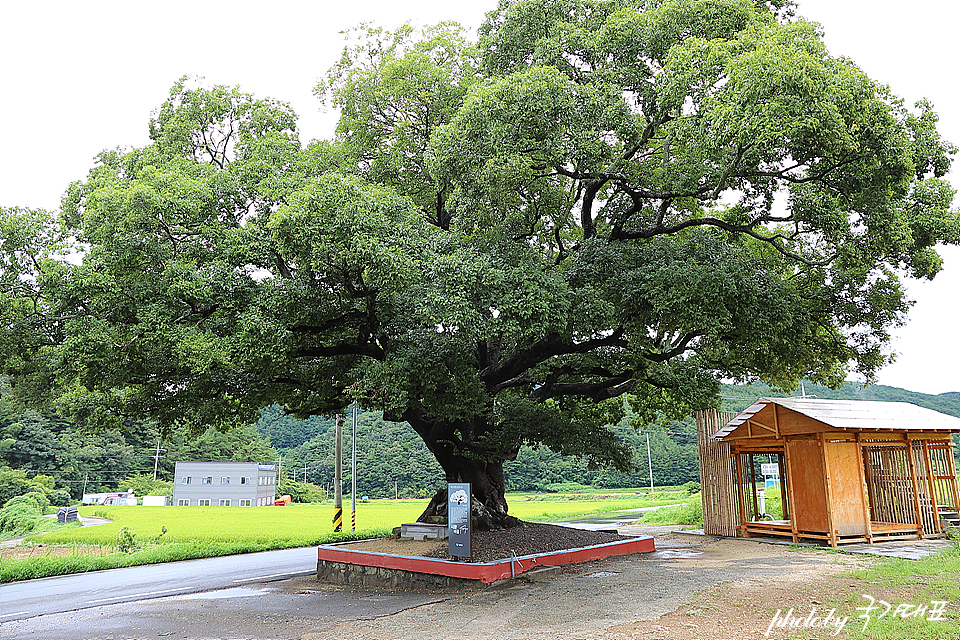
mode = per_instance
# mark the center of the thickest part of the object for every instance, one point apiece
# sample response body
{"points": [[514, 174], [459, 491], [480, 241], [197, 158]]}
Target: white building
{"points": [[224, 484]]}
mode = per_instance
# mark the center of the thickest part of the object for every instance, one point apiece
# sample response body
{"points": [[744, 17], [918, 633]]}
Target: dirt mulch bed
{"points": [[487, 546]]}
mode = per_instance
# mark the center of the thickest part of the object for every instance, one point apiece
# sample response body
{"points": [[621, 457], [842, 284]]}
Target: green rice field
{"points": [[308, 523], [147, 535]]}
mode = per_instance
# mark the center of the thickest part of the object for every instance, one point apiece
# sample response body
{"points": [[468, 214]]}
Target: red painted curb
{"points": [[485, 572]]}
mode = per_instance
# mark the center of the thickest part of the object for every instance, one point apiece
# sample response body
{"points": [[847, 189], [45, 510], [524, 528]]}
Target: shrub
{"points": [[19, 516], [127, 540], [60, 498], [692, 487], [34, 497]]}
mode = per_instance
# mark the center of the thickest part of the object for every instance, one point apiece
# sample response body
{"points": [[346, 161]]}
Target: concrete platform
{"points": [[337, 563]]}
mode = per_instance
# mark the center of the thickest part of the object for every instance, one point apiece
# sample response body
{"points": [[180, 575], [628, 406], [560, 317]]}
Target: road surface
{"points": [[19, 600]]}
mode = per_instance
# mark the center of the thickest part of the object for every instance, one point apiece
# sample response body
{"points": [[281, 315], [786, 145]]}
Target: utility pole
{"points": [[353, 474], [338, 480], [650, 464], [156, 460]]}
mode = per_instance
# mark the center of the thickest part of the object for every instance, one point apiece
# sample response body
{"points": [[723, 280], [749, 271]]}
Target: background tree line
{"points": [[49, 453]]}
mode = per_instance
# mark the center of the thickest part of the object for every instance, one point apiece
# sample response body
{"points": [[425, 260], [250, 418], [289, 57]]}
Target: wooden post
{"points": [[865, 494], [828, 491], [932, 488], [916, 489], [743, 503], [793, 519], [950, 466], [786, 513], [753, 488]]}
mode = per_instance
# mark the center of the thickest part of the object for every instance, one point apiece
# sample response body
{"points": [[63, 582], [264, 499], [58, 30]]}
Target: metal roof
{"points": [[854, 414]]}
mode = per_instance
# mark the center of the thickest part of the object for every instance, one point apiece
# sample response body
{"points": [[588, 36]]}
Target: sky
{"points": [[80, 77]]}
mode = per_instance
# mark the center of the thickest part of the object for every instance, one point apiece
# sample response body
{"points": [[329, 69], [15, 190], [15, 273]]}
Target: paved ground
{"points": [[586, 601], [732, 585]]}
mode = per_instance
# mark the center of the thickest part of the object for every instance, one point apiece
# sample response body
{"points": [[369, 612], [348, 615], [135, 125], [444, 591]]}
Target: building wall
{"points": [[235, 484]]}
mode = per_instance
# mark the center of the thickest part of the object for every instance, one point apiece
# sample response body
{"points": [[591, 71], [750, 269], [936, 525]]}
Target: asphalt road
{"points": [[32, 598], [20, 600]]}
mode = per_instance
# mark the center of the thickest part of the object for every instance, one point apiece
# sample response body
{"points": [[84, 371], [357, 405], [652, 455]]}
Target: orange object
{"points": [[282, 500]]}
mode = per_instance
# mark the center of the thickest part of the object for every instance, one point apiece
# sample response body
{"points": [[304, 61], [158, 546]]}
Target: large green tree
{"points": [[596, 199]]}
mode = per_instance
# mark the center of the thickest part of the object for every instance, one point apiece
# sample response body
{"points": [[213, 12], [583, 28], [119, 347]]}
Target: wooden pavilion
{"points": [[831, 470]]}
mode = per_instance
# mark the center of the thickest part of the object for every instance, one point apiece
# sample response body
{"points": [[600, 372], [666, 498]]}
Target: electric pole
{"points": [[353, 474], [338, 480]]}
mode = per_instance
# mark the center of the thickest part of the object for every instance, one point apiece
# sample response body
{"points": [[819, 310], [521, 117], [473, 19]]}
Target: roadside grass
{"points": [[538, 508], [167, 534], [688, 512], [906, 585], [84, 559]]}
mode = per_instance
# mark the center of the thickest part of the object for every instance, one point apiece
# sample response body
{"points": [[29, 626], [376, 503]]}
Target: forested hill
{"points": [[391, 458], [739, 397]]}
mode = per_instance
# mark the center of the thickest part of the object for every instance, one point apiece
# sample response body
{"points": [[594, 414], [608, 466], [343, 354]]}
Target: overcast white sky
{"points": [[79, 77]]}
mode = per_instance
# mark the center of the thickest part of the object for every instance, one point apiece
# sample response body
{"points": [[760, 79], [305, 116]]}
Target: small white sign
{"points": [[770, 469]]}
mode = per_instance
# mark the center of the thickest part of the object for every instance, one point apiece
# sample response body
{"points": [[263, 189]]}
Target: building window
{"points": [[186, 480], [203, 503], [260, 480], [183, 503], [245, 480], [224, 503], [207, 480], [225, 480], [245, 503]]}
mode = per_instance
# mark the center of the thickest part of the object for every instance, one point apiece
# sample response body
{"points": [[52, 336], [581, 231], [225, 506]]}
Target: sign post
{"points": [[458, 518]]}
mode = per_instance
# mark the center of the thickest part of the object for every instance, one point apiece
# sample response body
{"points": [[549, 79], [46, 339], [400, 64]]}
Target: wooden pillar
{"points": [[953, 475], [932, 487], [789, 479], [828, 491], [916, 489], [753, 488], [743, 507], [865, 496], [783, 485]]}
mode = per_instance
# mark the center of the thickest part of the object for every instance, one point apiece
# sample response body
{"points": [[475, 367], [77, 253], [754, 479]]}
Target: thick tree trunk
{"points": [[463, 463]]}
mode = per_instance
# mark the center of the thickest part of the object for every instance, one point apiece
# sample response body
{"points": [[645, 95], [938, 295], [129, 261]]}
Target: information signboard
{"points": [[458, 518]]}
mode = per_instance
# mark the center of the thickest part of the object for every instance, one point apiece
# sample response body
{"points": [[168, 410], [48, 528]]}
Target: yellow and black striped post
{"points": [[338, 480], [353, 520]]}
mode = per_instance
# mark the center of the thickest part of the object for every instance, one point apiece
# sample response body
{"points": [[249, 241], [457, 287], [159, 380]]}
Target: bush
{"points": [[302, 492], [692, 488], [60, 498], [127, 540], [33, 497], [14, 482], [145, 485], [19, 516]]}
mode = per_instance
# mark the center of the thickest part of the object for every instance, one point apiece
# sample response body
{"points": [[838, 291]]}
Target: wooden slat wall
{"points": [[890, 485], [942, 473], [721, 509]]}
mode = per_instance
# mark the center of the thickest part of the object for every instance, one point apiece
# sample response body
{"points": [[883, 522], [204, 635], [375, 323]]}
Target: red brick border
{"points": [[485, 572]]}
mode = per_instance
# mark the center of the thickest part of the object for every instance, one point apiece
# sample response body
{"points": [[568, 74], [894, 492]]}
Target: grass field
{"points": [[165, 534], [308, 523]]}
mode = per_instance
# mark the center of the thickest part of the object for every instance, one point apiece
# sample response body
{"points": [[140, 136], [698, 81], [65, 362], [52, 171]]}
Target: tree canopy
{"points": [[595, 200]]}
